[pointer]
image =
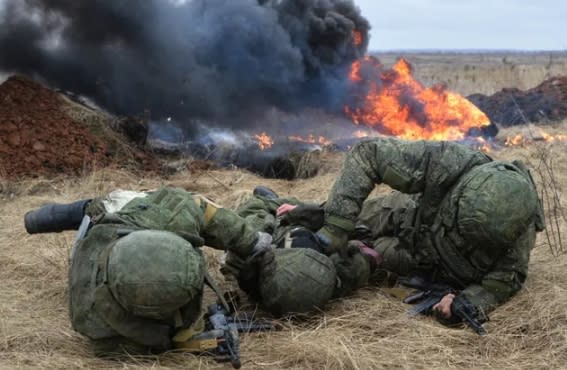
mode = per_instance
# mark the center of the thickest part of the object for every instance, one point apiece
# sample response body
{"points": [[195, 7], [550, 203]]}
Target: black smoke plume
{"points": [[217, 60]]}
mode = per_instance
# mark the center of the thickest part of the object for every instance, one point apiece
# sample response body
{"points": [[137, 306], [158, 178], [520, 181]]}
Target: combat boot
{"points": [[265, 192]]}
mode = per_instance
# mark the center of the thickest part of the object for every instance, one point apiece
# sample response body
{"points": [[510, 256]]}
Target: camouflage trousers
{"points": [[391, 220]]}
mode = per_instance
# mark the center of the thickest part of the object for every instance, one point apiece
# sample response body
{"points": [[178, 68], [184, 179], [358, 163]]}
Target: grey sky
{"points": [[462, 24], [465, 24]]}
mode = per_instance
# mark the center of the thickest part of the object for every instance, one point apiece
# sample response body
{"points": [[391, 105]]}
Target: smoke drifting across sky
{"points": [[220, 60]]}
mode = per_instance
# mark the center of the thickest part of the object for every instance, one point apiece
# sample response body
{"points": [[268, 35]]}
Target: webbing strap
{"points": [[209, 207], [218, 291], [288, 240], [178, 319]]}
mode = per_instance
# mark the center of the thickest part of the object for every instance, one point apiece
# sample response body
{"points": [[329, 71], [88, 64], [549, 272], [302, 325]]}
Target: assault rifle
{"points": [[220, 335], [429, 294]]}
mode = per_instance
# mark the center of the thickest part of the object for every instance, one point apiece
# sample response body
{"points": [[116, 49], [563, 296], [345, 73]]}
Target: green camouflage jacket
{"points": [[489, 273], [190, 216]]}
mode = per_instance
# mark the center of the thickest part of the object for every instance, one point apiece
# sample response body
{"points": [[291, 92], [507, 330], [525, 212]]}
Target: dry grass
{"points": [[483, 73], [368, 330]]}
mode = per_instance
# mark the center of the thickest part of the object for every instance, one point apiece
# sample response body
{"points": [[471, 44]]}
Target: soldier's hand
{"points": [[443, 307], [374, 258], [310, 216], [284, 208]]}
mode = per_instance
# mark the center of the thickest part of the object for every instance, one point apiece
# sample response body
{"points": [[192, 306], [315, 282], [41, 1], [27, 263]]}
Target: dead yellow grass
{"points": [[368, 330], [489, 78], [483, 73]]}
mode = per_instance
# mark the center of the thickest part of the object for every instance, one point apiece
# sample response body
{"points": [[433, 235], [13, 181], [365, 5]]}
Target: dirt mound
{"points": [[511, 106], [42, 133], [37, 137]]}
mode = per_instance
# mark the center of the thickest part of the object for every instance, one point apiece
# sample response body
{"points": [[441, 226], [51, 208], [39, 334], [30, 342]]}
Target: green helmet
{"points": [[301, 281], [497, 203], [152, 274]]}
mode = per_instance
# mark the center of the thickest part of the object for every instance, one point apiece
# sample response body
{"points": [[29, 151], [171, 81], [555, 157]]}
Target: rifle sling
{"points": [[218, 291]]}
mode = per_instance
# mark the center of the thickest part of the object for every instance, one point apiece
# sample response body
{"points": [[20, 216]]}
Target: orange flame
{"points": [[483, 145], [264, 140], [516, 140], [354, 74], [311, 139], [540, 135], [551, 138], [360, 134], [396, 104], [357, 38]]}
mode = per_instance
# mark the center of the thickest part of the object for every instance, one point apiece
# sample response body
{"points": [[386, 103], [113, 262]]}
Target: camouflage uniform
{"points": [[260, 213], [137, 276], [301, 279], [456, 217]]}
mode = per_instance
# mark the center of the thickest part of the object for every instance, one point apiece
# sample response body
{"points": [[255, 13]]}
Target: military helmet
{"points": [[302, 280], [153, 273], [497, 202]]}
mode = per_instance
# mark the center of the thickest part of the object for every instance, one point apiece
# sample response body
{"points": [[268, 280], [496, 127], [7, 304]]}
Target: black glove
{"points": [[334, 239], [310, 216], [334, 233], [363, 233]]}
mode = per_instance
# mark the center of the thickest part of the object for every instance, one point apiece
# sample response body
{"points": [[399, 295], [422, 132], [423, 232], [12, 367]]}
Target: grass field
{"points": [[486, 73], [368, 330]]}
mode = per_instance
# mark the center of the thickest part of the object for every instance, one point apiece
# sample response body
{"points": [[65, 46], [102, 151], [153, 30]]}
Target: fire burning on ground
{"points": [[391, 102], [264, 140], [394, 103], [535, 134], [311, 139]]}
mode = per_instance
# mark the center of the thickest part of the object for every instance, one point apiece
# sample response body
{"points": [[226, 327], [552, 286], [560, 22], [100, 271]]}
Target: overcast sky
{"points": [[466, 24]]}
